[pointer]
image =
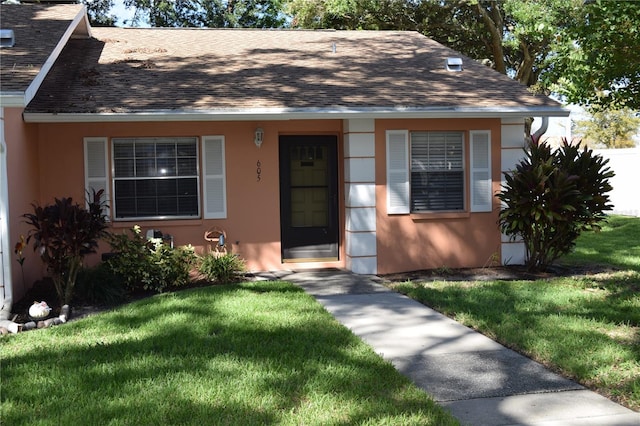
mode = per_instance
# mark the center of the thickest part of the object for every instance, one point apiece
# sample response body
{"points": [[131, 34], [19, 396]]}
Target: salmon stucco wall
{"points": [[407, 242], [253, 206], [24, 190]]}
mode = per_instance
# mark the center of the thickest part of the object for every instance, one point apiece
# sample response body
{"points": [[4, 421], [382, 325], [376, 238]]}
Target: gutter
{"points": [[542, 130], [12, 99], [264, 114]]}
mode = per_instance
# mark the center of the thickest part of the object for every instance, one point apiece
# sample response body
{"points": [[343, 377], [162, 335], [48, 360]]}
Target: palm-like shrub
{"points": [[551, 197], [63, 233]]}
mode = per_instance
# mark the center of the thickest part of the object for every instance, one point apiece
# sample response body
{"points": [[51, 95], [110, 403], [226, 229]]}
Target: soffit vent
{"points": [[453, 64], [7, 38]]}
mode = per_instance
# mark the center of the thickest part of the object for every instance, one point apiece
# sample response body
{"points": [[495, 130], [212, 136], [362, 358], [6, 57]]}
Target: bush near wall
{"points": [[149, 264]]}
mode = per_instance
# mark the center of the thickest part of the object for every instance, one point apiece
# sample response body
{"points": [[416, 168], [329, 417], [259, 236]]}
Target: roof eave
{"points": [[267, 114]]}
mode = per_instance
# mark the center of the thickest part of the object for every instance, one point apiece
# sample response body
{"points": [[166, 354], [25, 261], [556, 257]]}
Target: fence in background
{"points": [[626, 183]]}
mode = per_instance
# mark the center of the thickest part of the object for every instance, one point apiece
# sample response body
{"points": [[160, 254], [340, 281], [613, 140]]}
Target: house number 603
{"points": [[258, 171]]}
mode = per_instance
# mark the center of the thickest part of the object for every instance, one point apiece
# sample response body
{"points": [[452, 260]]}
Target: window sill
{"points": [[146, 223], [418, 217]]}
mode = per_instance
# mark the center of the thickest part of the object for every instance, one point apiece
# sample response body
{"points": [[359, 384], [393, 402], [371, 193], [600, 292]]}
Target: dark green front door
{"points": [[309, 197]]}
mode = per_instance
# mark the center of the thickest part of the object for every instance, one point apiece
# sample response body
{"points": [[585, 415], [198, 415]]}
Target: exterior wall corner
{"points": [[512, 143], [360, 200]]}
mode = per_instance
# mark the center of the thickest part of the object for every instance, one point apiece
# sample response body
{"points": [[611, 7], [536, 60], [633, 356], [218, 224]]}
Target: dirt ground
{"points": [[496, 273]]}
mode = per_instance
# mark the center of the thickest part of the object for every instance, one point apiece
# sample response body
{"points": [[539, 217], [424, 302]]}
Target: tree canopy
{"points": [[601, 66], [608, 128], [208, 13]]}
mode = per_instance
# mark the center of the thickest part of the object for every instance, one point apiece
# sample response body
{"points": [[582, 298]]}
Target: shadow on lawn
{"points": [[210, 355], [541, 321]]}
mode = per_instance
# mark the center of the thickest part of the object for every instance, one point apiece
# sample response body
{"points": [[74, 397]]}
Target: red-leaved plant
{"points": [[63, 233]]}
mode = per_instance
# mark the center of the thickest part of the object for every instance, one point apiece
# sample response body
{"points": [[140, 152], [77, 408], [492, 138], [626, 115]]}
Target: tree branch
{"points": [[495, 24]]}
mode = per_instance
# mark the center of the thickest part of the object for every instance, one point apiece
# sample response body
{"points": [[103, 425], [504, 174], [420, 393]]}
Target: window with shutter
{"points": [[214, 189], [437, 171]]}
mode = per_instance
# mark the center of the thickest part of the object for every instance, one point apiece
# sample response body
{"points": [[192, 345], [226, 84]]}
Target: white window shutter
{"points": [[214, 188], [398, 172], [96, 176], [481, 194]]}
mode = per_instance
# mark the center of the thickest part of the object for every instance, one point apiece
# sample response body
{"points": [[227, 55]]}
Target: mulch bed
{"points": [[507, 273], [45, 290]]}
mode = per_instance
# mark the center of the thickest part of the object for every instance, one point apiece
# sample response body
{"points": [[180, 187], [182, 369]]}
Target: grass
{"points": [[249, 354], [585, 327], [617, 244]]}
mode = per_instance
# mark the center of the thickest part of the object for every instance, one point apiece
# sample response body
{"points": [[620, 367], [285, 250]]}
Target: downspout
{"points": [[542, 130], [5, 272]]}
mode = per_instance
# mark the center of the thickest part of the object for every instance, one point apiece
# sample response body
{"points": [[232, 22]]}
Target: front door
{"points": [[309, 198]]}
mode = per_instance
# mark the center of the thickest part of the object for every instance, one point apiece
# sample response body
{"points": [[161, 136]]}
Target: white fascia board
{"points": [[79, 22], [298, 114], [12, 99]]}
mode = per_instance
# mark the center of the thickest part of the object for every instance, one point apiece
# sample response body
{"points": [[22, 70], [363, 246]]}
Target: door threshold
{"points": [[311, 259]]}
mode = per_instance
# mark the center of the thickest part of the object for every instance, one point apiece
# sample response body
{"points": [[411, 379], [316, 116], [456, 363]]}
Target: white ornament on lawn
{"points": [[39, 310]]}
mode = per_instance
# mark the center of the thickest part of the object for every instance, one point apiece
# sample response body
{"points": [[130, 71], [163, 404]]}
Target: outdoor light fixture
{"points": [[259, 137]]}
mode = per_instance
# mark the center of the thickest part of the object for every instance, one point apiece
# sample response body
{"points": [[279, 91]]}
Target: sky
{"points": [[121, 12]]}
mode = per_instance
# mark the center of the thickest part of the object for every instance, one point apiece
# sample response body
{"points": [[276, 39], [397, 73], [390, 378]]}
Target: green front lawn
{"points": [[248, 354], [617, 244], [586, 327]]}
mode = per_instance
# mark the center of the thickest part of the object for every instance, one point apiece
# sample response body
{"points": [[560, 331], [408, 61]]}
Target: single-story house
{"points": [[372, 151]]}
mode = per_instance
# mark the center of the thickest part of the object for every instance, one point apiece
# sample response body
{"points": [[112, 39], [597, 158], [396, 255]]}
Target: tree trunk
{"points": [[65, 283], [525, 73], [494, 22]]}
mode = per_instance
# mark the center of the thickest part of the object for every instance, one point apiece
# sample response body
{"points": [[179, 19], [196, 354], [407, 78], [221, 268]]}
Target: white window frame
{"points": [[446, 169], [196, 176]]}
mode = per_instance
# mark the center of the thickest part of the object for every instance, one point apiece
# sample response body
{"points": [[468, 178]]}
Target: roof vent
{"points": [[7, 38], [453, 64]]}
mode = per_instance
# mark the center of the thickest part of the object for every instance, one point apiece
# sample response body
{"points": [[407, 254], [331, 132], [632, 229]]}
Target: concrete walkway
{"points": [[480, 381]]}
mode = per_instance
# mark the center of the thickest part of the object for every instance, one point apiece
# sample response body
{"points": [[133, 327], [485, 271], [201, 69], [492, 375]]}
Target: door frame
{"points": [[322, 247]]}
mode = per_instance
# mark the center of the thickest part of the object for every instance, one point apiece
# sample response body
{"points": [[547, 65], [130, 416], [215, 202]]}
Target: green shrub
{"points": [[100, 286], [222, 268], [149, 264], [551, 197]]}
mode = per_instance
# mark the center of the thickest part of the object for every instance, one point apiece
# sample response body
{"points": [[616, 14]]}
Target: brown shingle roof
{"points": [[38, 29], [194, 70]]}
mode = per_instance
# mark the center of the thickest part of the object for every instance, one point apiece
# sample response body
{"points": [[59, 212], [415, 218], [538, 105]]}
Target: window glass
{"points": [[155, 177], [437, 171]]}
